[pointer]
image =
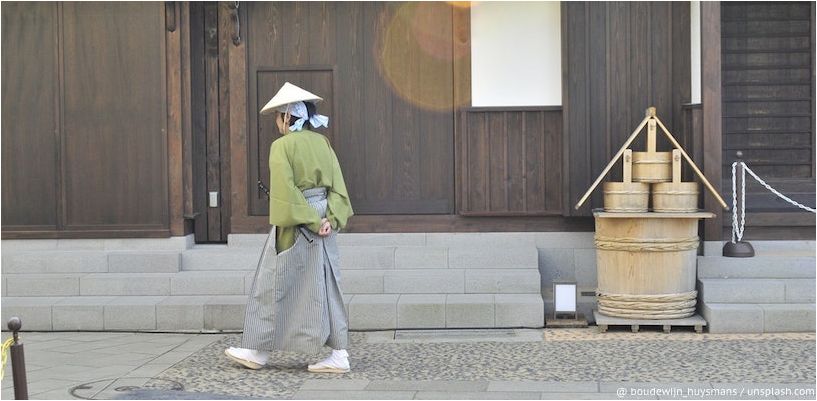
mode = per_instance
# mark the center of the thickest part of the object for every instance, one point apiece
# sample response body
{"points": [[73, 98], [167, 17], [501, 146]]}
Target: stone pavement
{"points": [[447, 364]]}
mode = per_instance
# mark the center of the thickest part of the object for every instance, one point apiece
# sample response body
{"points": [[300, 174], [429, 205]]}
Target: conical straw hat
{"points": [[289, 93]]}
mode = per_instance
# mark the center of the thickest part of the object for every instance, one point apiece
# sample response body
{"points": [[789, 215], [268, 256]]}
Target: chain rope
{"points": [[739, 227]]}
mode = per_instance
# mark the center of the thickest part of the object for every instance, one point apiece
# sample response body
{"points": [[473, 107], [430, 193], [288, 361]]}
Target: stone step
{"points": [[236, 282], [54, 261], [441, 281], [128, 284], [756, 291], [144, 262], [213, 257], [221, 257], [140, 313], [73, 261], [442, 239], [756, 267], [425, 311], [101, 244], [784, 248], [226, 312], [759, 318]]}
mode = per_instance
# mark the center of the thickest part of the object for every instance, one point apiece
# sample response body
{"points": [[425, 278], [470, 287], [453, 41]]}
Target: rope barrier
{"points": [[5, 354], [738, 228]]}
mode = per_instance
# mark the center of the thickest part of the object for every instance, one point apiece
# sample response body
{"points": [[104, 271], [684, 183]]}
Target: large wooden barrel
{"points": [[675, 197], [652, 166], [646, 264], [626, 196]]}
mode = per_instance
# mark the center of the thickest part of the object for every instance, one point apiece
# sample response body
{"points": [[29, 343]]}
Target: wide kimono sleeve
{"points": [[287, 205], [339, 207]]}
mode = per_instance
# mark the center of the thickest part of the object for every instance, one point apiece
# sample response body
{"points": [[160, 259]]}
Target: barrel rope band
{"points": [[648, 306], [646, 244], [631, 315], [4, 355], [681, 296]]}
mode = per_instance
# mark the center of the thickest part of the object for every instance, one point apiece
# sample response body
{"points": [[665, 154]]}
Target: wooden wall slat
{"points": [[510, 163], [620, 58], [30, 102], [774, 127], [114, 139]]}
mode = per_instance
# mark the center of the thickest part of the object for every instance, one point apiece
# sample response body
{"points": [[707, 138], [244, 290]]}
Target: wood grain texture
{"points": [[510, 162], [620, 58], [386, 71], [198, 120], [114, 134], [768, 99], [237, 115], [175, 116], [711, 113], [30, 116], [187, 112]]}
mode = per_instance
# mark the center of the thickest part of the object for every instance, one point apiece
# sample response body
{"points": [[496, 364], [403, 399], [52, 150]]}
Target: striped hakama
{"points": [[296, 303]]}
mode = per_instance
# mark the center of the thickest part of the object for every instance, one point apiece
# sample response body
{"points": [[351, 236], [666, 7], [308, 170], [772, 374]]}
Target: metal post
{"points": [[739, 249], [18, 362]]}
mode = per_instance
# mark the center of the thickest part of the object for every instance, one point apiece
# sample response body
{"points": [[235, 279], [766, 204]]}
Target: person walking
{"points": [[296, 303]]}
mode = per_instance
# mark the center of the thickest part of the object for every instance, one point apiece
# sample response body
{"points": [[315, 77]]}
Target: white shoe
{"points": [[247, 357], [338, 362]]}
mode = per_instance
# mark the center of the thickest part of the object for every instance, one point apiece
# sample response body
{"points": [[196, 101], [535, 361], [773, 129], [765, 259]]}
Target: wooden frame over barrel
{"points": [[651, 117]]}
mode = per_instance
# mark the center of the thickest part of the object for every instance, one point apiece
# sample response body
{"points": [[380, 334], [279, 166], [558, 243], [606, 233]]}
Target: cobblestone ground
{"points": [[540, 364]]}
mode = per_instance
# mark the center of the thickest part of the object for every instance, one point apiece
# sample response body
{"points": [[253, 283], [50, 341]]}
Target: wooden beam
{"points": [[175, 111], [711, 109], [692, 164], [617, 156]]}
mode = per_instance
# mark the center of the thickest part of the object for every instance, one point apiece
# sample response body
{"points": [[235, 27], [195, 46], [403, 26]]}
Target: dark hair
{"points": [[310, 111]]}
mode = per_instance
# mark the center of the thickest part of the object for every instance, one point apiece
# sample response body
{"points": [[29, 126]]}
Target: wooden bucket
{"points": [[675, 196], [652, 167], [646, 264], [626, 196]]}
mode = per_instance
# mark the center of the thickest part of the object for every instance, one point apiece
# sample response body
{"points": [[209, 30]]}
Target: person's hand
{"points": [[326, 227]]}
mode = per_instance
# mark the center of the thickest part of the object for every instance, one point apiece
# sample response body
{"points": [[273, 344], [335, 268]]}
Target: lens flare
{"points": [[415, 54]]}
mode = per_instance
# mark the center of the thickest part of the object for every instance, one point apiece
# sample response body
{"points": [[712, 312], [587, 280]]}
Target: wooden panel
{"points": [[711, 115], [766, 11], [392, 106], [510, 161], [30, 116], [619, 58], [199, 51], [176, 37], [768, 100], [114, 139]]}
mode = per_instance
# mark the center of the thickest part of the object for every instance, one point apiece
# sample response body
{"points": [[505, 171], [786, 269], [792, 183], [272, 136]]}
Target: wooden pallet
{"points": [[603, 321]]}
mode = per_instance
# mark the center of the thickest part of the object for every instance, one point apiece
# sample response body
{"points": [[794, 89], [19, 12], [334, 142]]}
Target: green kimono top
{"points": [[297, 161]]}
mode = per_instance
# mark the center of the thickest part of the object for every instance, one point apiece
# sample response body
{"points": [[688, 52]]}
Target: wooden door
{"points": [[209, 139], [385, 71], [86, 125], [768, 98]]}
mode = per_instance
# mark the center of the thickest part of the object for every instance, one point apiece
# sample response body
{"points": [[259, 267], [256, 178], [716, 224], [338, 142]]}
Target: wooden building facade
{"points": [[129, 119]]}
